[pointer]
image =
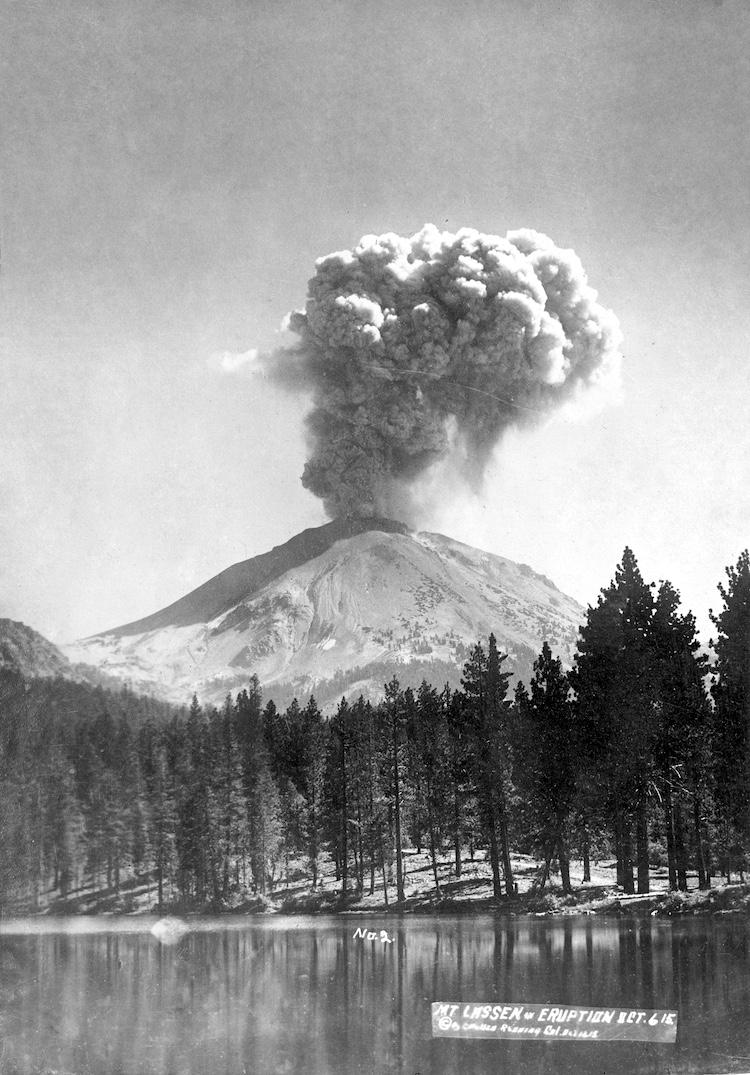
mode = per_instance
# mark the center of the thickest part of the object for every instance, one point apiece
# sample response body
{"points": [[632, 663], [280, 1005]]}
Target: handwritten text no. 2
{"points": [[371, 935]]}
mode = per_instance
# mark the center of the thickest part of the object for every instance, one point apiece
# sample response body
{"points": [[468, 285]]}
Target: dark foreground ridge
{"points": [[243, 580]]}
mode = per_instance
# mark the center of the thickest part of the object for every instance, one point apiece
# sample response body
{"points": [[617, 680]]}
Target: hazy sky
{"points": [[172, 171]]}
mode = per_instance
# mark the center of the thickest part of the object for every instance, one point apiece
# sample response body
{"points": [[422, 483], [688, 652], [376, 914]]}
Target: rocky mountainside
{"points": [[339, 609], [26, 651]]}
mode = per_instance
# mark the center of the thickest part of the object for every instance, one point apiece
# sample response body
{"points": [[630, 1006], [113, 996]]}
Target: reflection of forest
{"points": [[306, 996]]}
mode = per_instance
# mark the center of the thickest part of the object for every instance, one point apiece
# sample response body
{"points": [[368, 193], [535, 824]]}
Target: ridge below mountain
{"points": [[27, 653], [24, 650], [339, 609]]}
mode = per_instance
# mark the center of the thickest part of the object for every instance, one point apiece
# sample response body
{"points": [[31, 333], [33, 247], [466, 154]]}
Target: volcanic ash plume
{"points": [[424, 347]]}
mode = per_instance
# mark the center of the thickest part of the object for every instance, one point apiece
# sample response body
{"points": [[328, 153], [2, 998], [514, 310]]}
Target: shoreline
{"points": [[599, 901]]}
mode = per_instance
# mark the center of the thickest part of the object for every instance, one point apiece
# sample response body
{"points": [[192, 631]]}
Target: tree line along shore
{"points": [[637, 757]]}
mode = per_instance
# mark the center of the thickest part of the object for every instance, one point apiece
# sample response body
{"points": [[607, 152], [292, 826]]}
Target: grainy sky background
{"points": [[171, 172]]}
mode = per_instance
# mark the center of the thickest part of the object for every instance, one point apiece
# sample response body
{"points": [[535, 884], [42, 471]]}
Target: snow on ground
{"points": [[291, 891]]}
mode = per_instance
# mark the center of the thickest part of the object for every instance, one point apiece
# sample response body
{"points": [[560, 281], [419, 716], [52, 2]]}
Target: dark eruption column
{"points": [[419, 348]]}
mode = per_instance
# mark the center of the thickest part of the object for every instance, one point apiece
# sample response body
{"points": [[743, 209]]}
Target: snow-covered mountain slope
{"points": [[333, 611]]}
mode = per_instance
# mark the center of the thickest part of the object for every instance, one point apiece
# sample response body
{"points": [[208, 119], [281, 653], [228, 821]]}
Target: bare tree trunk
{"points": [[431, 825], [371, 834], [641, 838], [703, 878], [564, 857], [619, 851], [545, 868], [313, 839], [628, 883], [680, 853], [418, 812], [382, 864], [344, 826], [586, 854], [117, 869], [507, 865], [360, 845], [669, 826], [397, 806], [491, 824]]}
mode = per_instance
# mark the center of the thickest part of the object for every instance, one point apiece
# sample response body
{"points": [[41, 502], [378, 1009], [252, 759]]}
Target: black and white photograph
{"points": [[374, 527]]}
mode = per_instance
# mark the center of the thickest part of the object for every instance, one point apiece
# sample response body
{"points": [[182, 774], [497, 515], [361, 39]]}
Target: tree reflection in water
{"points": [[306, 996]]}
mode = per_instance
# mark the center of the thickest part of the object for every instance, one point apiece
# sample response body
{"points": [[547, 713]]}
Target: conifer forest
{"points": [[640, 753]]}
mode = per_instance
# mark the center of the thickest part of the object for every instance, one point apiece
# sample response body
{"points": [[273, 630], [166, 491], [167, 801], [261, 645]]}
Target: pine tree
{"points": [[64, 823], [683, 740], [160, 806], [312, 768], [731, 694], [459, 761], [337, 781], [358, 790], [261, 797], [544, 759], [427, 734], [375, 738], [614, 683], [226, 786], [15, 851], [485, 688], [395, 712]]}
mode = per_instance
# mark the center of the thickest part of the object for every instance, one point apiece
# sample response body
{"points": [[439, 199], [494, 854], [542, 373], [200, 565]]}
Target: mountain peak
{"points": [[244, 579], [338, 609]]}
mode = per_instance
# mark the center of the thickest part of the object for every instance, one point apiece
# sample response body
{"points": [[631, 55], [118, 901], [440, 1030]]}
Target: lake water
{"points": [[304, 995]]}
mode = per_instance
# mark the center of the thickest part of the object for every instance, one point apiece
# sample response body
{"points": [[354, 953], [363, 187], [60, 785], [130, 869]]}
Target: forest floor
{"points": [[470, 893]]}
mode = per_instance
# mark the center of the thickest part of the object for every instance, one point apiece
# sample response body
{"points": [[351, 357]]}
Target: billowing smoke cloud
{"points": [[422, 348]]}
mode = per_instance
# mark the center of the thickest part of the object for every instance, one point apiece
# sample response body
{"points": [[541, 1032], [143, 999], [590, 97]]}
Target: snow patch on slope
{"points": [[370, 598]]}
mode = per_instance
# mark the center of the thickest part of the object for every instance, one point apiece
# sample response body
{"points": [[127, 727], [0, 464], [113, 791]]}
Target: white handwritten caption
{"points": [[371, 935]]}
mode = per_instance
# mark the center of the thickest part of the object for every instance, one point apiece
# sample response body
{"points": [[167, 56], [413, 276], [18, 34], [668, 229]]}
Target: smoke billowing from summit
{"points": [[430, 347]]}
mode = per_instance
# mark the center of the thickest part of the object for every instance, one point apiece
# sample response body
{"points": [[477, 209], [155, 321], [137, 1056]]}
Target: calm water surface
{"points": [[302, 995]]}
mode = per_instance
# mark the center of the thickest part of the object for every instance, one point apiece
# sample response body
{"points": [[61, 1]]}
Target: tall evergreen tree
{"points": [[731, 694], [544, 759], [159, 780], [337, 782], [459, 759], [682, 745], [485, 688], [427, 733], [395, 711], [614, 683], [311, 751], [261, 796]]}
